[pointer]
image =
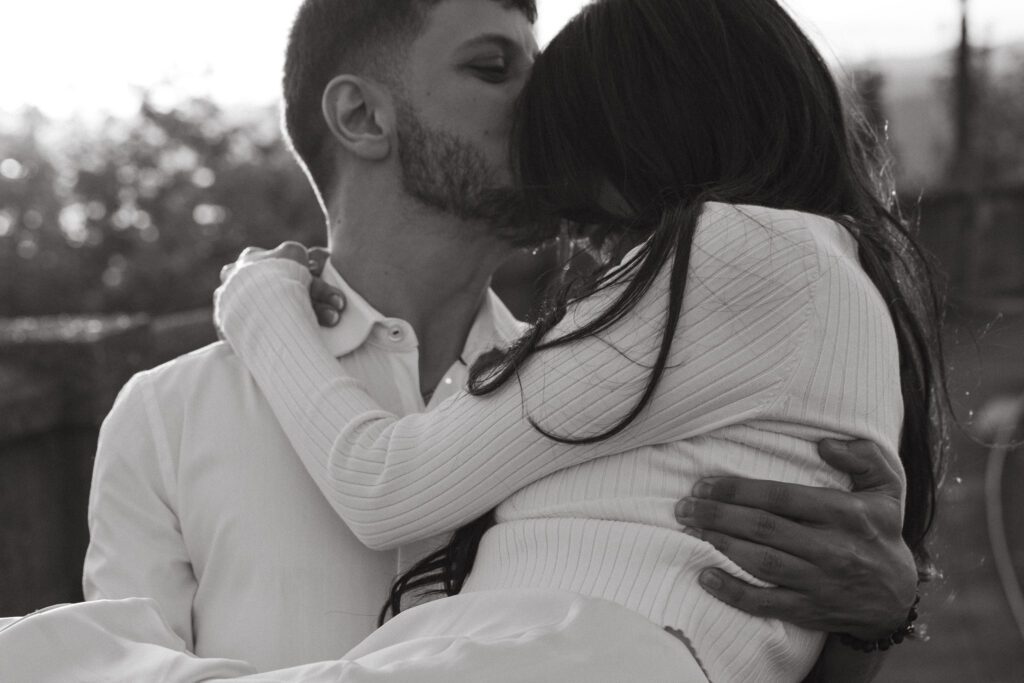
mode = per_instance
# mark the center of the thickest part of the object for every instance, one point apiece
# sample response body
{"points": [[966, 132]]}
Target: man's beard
{"points": [[444, 172]]}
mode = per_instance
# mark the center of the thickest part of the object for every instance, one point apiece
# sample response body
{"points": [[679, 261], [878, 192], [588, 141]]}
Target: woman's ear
{"points": [[360, 116]]}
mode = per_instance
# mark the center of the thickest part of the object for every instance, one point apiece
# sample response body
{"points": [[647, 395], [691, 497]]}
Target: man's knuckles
{"points": [[765, 526], [770, 566]]}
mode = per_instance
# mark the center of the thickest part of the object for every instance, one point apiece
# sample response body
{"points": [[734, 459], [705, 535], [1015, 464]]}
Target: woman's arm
{"points": [[398, 480]]}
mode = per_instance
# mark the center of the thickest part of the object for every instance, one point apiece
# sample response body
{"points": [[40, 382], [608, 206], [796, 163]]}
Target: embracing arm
{"points": [[395, 481], [837, 558]]}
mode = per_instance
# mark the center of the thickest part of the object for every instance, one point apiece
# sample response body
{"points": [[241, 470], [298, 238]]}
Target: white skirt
{"points": [[498, 636]]}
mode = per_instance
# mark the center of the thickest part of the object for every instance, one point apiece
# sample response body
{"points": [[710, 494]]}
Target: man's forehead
{"points": [[463, 24]]}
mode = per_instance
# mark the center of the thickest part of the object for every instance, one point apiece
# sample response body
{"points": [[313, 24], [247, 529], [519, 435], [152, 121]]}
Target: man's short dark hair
{"points": [[330, 37]]}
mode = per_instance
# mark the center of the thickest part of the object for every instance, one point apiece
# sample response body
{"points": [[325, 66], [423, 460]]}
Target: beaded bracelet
{"points": [[894, 638]]}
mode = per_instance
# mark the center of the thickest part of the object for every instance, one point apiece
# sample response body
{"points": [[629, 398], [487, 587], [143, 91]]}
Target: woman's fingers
{"points": [[326, 316], [318, 257], [293, 251], [328, 302], [251, 253]]}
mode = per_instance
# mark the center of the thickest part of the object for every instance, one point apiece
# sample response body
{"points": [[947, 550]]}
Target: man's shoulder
{"points": [[197, 391], [212, 370], [214, 361]]}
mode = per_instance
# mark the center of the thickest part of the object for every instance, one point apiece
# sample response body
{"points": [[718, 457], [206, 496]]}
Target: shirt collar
{"points": [[357, 320], [494, 324]]}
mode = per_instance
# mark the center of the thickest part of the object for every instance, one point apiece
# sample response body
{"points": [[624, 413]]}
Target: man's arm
{"points": [[136, 548], [838, 559]]}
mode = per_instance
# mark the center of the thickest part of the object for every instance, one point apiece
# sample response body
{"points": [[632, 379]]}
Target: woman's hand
{"points": [[838, 558], [327, 301]]}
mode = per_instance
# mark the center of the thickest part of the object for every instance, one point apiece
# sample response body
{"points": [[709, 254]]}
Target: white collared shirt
{"points": [[199, 501]]}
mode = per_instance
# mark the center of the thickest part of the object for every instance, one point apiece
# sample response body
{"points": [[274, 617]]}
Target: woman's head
{"points": [[674, 100]]}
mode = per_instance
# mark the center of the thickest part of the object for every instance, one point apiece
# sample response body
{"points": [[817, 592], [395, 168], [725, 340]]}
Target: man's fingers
{"points": [[767, 564], [770, 603], [758, 526], [865, 463], [793, 501]]}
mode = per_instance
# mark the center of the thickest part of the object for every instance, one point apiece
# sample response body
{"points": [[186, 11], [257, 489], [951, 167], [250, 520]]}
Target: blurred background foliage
{"points": [[140, 214]]}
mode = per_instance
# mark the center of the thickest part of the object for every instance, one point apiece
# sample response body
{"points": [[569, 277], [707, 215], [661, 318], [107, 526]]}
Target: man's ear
{"points": [[360, 115]]}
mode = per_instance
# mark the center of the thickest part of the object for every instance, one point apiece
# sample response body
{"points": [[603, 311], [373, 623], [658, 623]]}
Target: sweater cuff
{"points": [[259, 297]]}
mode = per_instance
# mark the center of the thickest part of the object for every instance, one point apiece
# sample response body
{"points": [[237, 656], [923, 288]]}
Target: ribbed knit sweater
{"points": [[783, 340]]}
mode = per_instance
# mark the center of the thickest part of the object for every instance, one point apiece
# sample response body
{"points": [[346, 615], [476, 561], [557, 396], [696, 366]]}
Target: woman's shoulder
{"points": [[750, 254], [763, 240], [763, 226]]}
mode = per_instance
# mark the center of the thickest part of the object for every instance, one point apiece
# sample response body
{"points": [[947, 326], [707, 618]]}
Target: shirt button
{"points": [[396, 334]]}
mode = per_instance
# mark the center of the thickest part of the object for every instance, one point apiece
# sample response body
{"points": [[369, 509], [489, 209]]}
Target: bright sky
{"points": [[68, 56]]}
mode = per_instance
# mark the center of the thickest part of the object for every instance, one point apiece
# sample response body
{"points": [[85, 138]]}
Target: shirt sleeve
{"points": [[135, 547], [394, 481]]}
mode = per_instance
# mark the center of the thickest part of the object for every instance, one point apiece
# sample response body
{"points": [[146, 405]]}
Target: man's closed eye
{"points": [[493, 72]]}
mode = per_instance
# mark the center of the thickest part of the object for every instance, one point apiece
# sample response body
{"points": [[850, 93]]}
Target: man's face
{"points": [[454, 111]]}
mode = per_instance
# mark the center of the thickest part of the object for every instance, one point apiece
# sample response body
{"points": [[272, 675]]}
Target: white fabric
{"points": [[783, 341], [498, 637], [199, 502]]}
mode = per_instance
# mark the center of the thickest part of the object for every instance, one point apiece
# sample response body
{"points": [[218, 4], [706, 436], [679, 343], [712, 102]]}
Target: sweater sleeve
{"points": [[395, 481]]}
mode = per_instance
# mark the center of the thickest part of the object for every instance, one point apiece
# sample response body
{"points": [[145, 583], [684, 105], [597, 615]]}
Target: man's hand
{"points": [[838, 558], [327, 301]]}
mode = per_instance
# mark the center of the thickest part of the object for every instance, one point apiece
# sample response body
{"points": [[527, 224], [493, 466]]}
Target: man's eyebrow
{"points": [[494, 38]]}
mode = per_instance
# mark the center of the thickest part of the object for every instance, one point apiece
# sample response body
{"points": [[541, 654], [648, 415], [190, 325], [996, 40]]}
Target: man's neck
{"points": [[434, 277]]}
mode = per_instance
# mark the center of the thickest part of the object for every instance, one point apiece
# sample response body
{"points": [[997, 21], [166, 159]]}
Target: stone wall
{"points": [[58, 379]]}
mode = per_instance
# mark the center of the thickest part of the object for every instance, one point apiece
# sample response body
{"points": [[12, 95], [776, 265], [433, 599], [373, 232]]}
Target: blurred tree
{"points": [[1000, 127], [140, 215]]}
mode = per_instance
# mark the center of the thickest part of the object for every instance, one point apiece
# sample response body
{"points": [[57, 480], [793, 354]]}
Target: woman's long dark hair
{"points": [[666, 105]]}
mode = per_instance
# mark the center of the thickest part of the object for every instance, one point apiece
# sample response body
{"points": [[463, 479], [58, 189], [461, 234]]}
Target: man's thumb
{"points": [[865, 463]]}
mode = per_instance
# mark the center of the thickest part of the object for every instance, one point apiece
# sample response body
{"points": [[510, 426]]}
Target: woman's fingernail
{"points": [[332, 317], [710, 580], [702, 489], [337, 301]]}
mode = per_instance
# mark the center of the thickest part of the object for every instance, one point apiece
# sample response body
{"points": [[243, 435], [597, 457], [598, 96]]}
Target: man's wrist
{"points": [[895, 637]]}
